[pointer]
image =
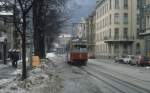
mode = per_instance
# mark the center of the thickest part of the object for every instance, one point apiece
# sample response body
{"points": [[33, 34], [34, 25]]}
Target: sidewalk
{"points": [[10, 78], [7, 74], [6, 71]]}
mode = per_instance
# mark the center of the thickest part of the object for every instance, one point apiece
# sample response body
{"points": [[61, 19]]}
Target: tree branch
{"points": [[21, 5], [29, 8]]}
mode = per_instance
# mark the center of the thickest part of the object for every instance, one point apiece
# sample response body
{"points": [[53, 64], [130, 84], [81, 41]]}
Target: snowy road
{"points": [[56, 76], [117, 82], [100, 77]]}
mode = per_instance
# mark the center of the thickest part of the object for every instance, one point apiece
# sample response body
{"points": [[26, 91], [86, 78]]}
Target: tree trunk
{"points": [[24, 74], [39, 36]]}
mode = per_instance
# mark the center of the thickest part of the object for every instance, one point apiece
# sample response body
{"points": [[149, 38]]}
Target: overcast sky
{"points": [[80, 8]]}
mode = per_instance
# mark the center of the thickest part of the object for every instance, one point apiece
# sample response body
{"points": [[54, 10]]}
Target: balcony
{"points": [[112, 40], [146, 33]]}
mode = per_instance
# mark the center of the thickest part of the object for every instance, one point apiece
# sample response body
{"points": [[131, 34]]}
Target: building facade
{"points": [[145, 25], [79, 29], [6, 32], [62, 42], [117, 28], [90, 24]]}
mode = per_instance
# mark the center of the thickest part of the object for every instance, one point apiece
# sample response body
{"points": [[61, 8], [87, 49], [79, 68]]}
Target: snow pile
{"points": [[50, 55], [36, 77], [2, 66], [42, 79], [17, 72], [12, 87], [4, 81], [148, 67]]}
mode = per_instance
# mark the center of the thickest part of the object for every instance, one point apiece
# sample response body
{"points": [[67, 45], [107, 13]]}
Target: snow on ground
{"points": [[14, 84], [142, 73], [43, 79], [137, 75], [73, 79], [50, 55], [54, 75], [2, 66], [8, 80]]}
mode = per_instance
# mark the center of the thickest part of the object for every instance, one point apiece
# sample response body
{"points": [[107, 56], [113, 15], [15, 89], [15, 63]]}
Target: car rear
{"points": [[144, 61]]}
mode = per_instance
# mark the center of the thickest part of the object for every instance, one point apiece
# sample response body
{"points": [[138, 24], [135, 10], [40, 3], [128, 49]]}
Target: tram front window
{"points": [[80, 48]]}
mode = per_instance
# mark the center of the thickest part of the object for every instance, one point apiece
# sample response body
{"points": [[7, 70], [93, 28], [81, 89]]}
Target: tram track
{"points": [[114, 82]]}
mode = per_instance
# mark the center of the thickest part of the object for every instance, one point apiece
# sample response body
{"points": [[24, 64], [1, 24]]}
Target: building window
{"points": [[110, 19], [138, 19], [125, 49], [116, 4], [110, 4], [125, 33], [116, 49], [138, 4], [110, 33], [116, 33], [125, 4], [116, 18], [125, 18], [137, 34], [138, 49], [148, 20]]}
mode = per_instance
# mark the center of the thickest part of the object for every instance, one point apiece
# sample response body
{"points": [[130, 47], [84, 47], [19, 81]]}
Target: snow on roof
{"points": [[65, 35], [2, 39], [6, 13]]}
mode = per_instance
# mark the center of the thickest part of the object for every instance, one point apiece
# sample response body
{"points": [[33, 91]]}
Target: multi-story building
{"points": [[80, 29], [6, 32], [145, 24], [117, 28], [6, 28], [90, 24], [61, 42]]}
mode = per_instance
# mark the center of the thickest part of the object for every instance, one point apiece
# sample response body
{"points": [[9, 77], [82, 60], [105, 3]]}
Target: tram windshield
{"points": [[79, 48]]}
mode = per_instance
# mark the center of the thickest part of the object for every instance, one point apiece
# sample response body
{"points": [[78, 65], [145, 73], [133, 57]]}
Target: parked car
{"points": [[128, 59], [134, 60], [119, 59], [143, 60]]}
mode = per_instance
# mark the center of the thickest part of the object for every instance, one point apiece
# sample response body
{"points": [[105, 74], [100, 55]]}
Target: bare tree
{"points": [[47, 21], [25, 6]]}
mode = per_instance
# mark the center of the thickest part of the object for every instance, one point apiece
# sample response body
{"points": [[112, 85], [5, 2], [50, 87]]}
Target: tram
{"points": [[77, 52]]}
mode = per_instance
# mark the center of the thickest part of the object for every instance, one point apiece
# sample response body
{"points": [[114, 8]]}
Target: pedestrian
{"points": [[13, 57], [16, 58]]}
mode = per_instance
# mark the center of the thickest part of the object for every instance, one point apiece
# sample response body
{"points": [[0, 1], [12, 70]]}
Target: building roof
{"points": [[2, 39], [99, 2]]}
